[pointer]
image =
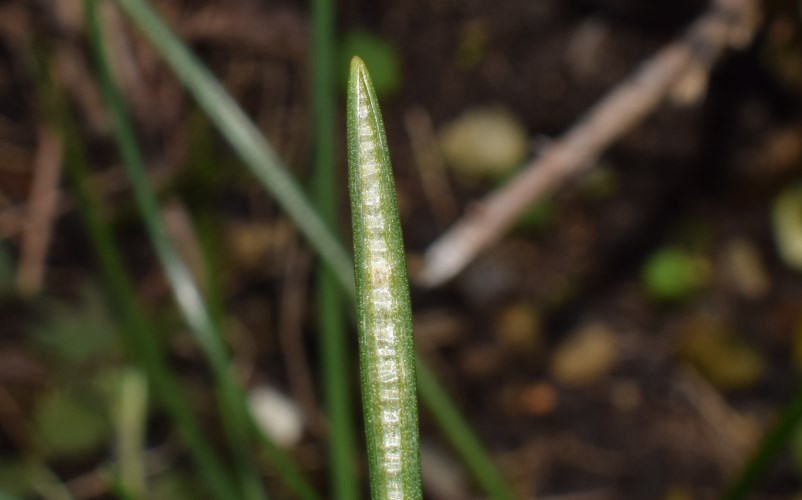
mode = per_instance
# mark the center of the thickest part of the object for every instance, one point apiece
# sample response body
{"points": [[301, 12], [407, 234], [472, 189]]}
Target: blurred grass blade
{"points": [[179, 276], [139, 334], [131, 416], [335, 359], [237, 418], [262, 161], [384, 313], [189, 299], [455, 430], [774, 442], [46, 483], [244, 137]]}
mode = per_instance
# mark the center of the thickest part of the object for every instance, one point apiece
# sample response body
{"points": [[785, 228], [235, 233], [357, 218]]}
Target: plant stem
{"points": [[775, 440], [331, 321], [455, 429]]}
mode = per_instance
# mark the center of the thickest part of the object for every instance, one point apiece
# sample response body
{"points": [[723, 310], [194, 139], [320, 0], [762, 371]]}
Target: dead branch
{"points": [[728, 23], [41, 212]]}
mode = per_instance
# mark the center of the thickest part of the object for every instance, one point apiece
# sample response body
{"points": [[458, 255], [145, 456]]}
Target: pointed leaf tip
{"points": [[357, 64], [359, 77], [358, 71]]}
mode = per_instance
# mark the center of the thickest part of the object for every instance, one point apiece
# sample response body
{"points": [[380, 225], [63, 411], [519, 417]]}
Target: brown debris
{"points": [[41, 212]]}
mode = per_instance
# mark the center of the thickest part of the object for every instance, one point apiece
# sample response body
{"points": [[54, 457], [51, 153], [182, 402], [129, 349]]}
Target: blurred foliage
{"points": [[787, 224], [723, 356], [14, 480], [539, 216], [79, 330], [68, 425], [672, 274]]}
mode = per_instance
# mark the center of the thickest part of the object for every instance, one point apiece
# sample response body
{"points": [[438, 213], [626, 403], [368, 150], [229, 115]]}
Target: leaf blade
{"points": [[387, 357]]}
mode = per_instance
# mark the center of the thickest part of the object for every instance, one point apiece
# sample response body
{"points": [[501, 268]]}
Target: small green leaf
{"points": [[76, 332], [387, 358], [671, 274], [68, 427]]}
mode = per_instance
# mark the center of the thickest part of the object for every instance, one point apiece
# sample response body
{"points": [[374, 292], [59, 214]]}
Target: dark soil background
{"points": [[637, 408]]}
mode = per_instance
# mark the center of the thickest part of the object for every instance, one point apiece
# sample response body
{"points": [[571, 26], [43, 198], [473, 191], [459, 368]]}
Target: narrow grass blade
{"points": [[455, 430], [335, 360], [343, 457], [243, 135], [262, 161], [131, 416], [237, 418], [139, 334], [384, 314], [46, 483]]}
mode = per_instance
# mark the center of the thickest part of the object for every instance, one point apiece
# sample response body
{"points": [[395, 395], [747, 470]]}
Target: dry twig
{"points": [[41, 212], [430, 166], [728, 23]]}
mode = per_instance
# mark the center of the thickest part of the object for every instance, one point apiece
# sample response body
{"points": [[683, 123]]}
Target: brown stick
{"points": [[727, 23], [430, 166], [41, 212]]}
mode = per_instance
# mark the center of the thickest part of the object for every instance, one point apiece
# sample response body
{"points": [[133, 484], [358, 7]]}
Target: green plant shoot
{"points": [[387, 358]]}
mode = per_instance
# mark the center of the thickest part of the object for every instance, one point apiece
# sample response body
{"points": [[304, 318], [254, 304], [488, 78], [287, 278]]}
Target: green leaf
{"points": [[333, 333], [387, 357], [671, 274], [68, 427], [75, 332], [14, 479]]}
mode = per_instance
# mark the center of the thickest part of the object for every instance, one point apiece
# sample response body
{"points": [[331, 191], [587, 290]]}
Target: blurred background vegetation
{"points": [[633, 336]]}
